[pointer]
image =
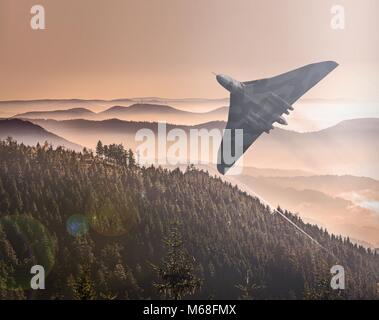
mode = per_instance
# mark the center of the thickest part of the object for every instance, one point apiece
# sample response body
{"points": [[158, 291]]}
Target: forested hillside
{"points": [[98, 222]]}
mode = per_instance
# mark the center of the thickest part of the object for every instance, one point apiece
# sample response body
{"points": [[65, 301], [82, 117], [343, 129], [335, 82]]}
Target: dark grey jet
{"points": [[256, 105]]}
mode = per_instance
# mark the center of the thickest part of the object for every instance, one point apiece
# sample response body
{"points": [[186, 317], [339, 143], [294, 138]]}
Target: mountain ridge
{"points": [[134, 112], [31, 134]]}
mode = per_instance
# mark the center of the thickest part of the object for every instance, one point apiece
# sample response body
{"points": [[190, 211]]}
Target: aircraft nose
{"points": [[221, 79]]}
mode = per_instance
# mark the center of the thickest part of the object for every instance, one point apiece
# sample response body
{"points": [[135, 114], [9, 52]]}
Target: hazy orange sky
{"points": [[168, 48]]}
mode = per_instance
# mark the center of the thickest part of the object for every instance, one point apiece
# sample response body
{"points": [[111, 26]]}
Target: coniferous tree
{"points": [[83, 286], [130, 159], [176, 274], [99, 149], [249, 288]]}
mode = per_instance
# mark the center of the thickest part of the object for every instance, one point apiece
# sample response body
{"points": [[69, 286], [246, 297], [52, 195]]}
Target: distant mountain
{"points": [[270, 172], [162, 113], [330, 184], [341, 149], [135, 112], [350, 147], [254, 172], [31, 134], [140, 109], [10, 108], [88, 133], [75, 113]]}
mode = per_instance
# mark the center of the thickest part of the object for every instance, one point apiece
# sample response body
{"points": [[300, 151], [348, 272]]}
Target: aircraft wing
{"points": [[290, 86], [244, 113]]}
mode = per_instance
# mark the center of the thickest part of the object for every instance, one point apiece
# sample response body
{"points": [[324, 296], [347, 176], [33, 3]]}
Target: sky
{"points": [[101, 49]]}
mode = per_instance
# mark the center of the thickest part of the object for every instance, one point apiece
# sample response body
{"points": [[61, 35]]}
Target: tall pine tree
{"points": [[176, 274]]}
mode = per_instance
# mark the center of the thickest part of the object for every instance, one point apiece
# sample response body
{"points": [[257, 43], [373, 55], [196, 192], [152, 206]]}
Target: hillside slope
{"points": [[129, 210], [31, 134]]}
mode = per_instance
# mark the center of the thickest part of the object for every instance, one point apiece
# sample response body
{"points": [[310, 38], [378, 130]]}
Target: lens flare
{"points": [[77, 225]]}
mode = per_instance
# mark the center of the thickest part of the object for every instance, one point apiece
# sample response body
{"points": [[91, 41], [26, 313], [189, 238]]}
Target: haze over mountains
{"points": [[340, 149], [309, 114], [11, 108], [135, 112], [348, 147], [75, 113], [339, 203]]}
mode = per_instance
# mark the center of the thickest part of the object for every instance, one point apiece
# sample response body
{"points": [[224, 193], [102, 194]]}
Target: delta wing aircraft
{"points": [[256, 105]]}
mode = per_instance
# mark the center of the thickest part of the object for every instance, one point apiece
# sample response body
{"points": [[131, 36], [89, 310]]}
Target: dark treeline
{"points": [[117, 153], [100, 226]]}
